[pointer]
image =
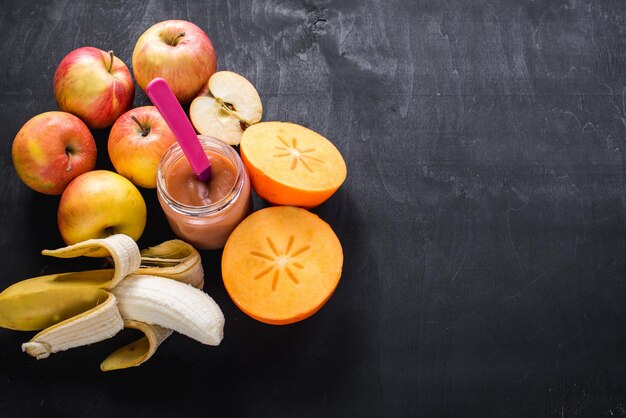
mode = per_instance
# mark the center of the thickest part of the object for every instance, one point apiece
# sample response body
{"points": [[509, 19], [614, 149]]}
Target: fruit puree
{"points": [[185, 187], [204, 214]]}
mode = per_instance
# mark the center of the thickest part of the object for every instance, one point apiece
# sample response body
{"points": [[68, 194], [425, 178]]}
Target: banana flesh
{"points": [[171, 304], [154, 291]]}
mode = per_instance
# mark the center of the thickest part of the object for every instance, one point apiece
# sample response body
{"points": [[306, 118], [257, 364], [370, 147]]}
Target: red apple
{"points": [[178, 51], [137, 141], [51, 149], [94, 85]]}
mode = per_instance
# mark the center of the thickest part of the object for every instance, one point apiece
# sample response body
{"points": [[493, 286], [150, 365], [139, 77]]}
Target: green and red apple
{"points": [[94, 85], [51, 149], [98, 204], [225, 107], [177, 51], [137, 141]]}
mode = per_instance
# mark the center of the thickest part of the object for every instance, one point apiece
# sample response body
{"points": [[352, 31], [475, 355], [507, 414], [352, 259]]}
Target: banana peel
{"points": [[175, 260], [139, 351], [38, 303], [122, 249], [79, 308], [96, 324]]}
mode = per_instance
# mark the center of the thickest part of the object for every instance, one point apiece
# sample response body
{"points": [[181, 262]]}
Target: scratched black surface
{"points": [[483, 218]]}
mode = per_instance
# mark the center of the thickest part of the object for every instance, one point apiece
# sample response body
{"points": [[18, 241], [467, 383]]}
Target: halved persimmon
{"points": [[290, 164], [281, 264]]}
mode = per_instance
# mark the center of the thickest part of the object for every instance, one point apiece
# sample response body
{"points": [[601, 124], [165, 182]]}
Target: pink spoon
{"points": [[163, 98]]}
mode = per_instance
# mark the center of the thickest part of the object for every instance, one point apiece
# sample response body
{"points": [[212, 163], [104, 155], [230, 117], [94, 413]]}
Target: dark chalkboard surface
{"points": [[482, 221]]}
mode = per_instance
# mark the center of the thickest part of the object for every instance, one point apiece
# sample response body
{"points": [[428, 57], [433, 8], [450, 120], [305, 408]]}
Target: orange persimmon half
{"points": [[290, 164], [281, 264]]}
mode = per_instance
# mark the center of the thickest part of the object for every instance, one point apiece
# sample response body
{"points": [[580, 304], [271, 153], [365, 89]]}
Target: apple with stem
{"points": [[177, 51], [137, 141], [51, 149], [98, 204], [94, 85], [225, 107]]}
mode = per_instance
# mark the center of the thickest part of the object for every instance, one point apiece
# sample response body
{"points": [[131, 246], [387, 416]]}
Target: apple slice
{"points": [[225, 107]]}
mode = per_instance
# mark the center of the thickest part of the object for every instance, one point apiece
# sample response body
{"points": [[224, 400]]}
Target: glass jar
{"points": [[205, 227]]}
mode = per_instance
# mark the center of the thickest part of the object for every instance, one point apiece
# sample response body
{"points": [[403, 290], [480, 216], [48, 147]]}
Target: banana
{"points": [[171, 304], [175, 260], [154, 291]]}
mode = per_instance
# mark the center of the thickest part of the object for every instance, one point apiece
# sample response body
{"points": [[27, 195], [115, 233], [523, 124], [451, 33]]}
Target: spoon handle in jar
{"points": [[163, 98]]}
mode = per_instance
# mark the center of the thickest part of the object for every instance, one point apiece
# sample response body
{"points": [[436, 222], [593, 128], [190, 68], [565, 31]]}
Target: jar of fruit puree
{"points": [[204, 214]]}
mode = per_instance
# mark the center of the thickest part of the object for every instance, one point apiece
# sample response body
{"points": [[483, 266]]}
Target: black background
{"points": [[483, 218]]}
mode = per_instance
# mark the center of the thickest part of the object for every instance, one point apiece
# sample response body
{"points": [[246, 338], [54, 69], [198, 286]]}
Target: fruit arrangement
{"points": [[280, 264]]}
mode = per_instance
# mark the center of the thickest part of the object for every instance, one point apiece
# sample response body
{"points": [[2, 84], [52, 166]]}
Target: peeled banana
{"points": [[175, 260], [171, 304], [155, 291]]}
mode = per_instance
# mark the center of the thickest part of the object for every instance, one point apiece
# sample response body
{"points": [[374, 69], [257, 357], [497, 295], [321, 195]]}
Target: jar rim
{"points": [[175, 153]]}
